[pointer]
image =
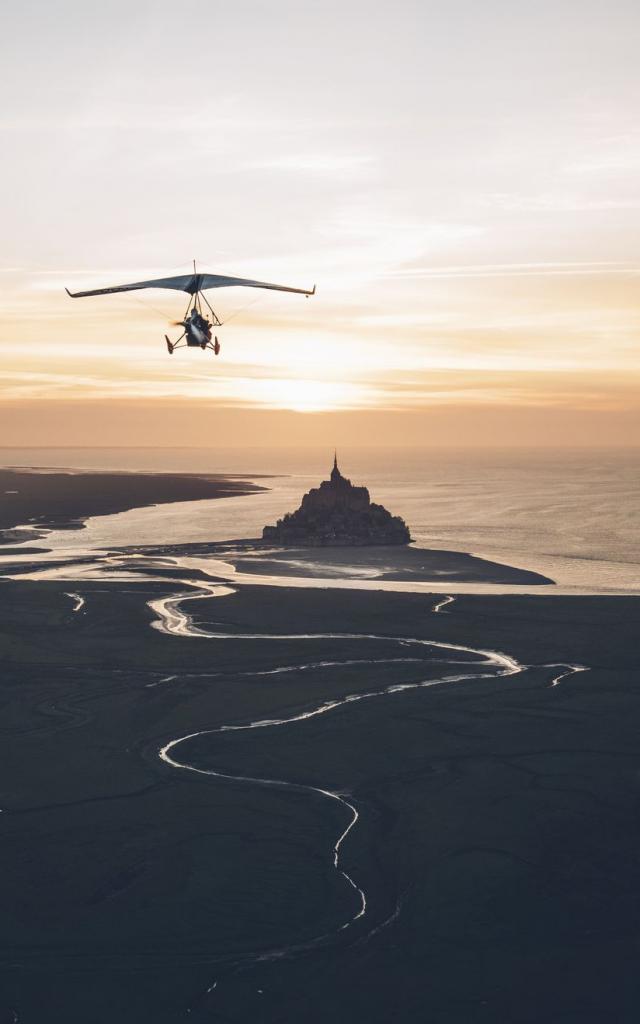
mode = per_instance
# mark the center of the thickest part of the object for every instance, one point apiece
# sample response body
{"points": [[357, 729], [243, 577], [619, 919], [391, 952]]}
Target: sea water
{"points": [[573, 515]]}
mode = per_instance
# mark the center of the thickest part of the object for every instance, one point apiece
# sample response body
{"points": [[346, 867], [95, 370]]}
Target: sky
{"points": [[461, 181]]}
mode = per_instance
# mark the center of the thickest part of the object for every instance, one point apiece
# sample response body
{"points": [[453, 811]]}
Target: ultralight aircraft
{"points": [[197, 325]]}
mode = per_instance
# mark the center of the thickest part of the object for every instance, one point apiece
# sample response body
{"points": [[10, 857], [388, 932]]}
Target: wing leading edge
{"points": [[192, 283]]}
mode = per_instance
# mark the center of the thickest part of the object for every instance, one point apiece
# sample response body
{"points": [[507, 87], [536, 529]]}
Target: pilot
{"points": [[202, 324]]}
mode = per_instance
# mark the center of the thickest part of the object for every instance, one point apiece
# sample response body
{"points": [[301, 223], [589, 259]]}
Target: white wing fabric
{"points": [[192, 283]]}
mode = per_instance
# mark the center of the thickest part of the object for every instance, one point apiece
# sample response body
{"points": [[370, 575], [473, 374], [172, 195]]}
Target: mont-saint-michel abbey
{"points": [[338, 513]]}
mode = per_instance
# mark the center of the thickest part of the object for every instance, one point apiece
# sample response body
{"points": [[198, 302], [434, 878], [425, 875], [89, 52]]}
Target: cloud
{"points": [[340, 165], [499, 270], [557, 202]]}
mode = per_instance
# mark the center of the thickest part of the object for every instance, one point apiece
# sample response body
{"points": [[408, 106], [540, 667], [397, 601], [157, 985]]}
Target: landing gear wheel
{"points": [[169, 345], [216, 346]]}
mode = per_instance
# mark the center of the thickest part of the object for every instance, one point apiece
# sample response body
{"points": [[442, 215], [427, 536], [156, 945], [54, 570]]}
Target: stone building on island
{"points": [[337, 513]]}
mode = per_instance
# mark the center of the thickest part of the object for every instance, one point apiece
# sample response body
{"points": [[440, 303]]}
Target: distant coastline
{"points": [[46, 499]]}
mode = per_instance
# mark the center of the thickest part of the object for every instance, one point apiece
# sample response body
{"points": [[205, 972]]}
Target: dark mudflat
{"points": [[52, 499], [393, 562], [389, 563], [499, 818]]}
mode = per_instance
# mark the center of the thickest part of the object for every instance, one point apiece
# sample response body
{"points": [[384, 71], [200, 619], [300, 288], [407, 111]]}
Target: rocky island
{"points": [[335, 514]]}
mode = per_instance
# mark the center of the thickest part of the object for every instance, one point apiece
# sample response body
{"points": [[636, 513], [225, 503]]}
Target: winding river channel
{"points": [[172, 618]]}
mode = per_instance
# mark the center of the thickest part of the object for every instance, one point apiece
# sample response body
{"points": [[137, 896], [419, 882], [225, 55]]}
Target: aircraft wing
{"points": [[190, 283], [219, 281], [180, 284]]}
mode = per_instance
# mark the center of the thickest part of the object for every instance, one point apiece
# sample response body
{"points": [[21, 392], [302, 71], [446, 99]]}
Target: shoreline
{"points": [[37, 500]]}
